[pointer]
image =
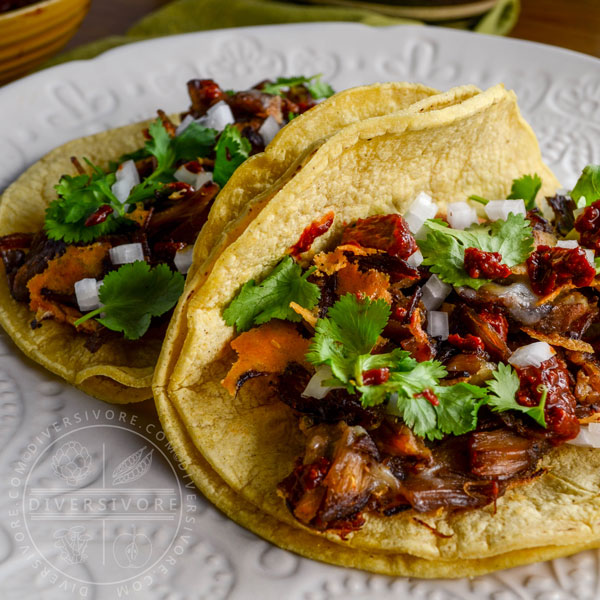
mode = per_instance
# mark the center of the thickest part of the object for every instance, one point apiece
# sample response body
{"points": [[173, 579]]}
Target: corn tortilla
{"points": [[476, 146]]}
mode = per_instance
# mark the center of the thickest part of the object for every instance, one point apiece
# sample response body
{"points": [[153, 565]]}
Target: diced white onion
{"points": [[421, 209], [591, 256], [127, 178], [415, 259], [589, 436], [184, 124], [435, 291], [567, 244], [531, 355], [183, 259], [185, 175], [86, 292], [315, 387], [437, 324], [218, 116], [202, 178], [461, 215], [500, 209], [269, 129], [126, 253]]}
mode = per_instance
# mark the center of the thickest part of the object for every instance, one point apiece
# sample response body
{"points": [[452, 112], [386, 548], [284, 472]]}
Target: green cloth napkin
{"points": [[183, 16]]}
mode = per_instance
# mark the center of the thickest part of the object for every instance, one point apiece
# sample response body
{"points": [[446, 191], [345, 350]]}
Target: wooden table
{"points": [[573, 24]]}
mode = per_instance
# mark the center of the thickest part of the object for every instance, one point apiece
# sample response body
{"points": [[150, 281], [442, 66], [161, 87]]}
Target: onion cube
{"points": [[567, 244], [127, 178], [437, 324], [591, 256], [415, 259], [315, 387], [500, 209], [421, 209], [588, 436], [218, 116], [269, 129], [86, 292], [461, 215], [435, 291], [126, 253], [532, 355], [202, 178], [185, 175], [183, 259]]}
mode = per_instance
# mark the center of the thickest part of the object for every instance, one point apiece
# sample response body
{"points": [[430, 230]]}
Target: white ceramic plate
{"points": [[91, 503]]}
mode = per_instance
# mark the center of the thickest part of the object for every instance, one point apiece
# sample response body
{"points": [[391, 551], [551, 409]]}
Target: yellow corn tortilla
{"points": [[121, 370], [311, 546], [251, 441]]}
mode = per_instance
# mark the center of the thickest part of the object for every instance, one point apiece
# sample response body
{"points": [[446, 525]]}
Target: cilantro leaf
{"points": [[256, 304], [502, 392], [159, 145], [319, 89], [526, 189], [458, 407], [231, 151], [195, 141], [588, 185], [79, 197], [316, 87], [346, 335], [284, 83], [443, 249], [419, 414], [134, 294]]}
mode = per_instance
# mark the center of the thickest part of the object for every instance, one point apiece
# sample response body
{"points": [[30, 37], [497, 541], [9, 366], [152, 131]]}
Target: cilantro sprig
{"points": [[444, 248], [588, 185], [195, 141], [133, 294], [270, 299], [502, 392], [317, 88], [231, 151], [526, 188], [81, 196], [78, 198], [345, 340]]}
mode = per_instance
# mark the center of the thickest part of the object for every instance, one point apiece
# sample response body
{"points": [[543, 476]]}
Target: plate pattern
{"points": [[559, 93]]}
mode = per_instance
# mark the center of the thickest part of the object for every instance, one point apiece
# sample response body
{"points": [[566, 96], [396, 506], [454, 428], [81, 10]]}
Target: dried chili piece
{"points": [[311, 233], [376, 376], [382, 232], [550, 268], [551, 377], [588, 226], [487, 265], [467, 343]]}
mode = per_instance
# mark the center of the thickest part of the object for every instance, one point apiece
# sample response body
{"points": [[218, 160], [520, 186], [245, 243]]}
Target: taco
{"points": [[60, 241], [356, 372]]}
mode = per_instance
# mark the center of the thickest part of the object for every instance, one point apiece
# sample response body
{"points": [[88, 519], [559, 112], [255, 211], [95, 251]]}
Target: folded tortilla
{"points": [[249, 443], [121, 371]]}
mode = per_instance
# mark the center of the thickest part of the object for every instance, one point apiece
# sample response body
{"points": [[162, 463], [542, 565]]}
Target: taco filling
{"points": [[115, 244], [431, 362]]}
